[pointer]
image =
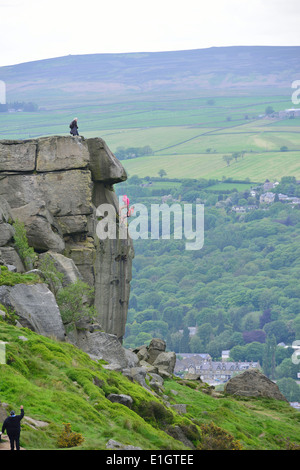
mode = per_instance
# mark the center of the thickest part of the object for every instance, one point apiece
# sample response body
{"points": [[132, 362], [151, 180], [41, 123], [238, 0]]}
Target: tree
{"points": [[289, 388], [236, 155], [268, 364], [287, 369], [227, 159], [205, 333], [184, 342], [278, 329], [254, 335], [162, 173], [265, 317], [269, 110]]}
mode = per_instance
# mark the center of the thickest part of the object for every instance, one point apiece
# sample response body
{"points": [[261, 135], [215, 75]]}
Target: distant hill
{"points": [[225, 68]]}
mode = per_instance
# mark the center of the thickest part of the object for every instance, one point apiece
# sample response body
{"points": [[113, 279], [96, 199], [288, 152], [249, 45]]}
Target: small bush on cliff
{"points": [[10, 315], [68, 438], [216, 438], [52, 276], [25, 251], [74, 302]]}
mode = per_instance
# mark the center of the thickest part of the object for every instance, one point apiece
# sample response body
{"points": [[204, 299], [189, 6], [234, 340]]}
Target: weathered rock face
{"points": [[36, 308], [54, 186], [253, 383]]}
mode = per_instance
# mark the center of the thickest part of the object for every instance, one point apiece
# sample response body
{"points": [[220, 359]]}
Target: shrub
{"points": [[190, 431], [68, 438], [155, 413], [10, 315], [215, 438], [52, 276], [25, 251], [74, 302]]}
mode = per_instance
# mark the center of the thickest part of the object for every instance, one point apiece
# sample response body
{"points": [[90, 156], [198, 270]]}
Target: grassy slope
{"points": [[54, 382]]}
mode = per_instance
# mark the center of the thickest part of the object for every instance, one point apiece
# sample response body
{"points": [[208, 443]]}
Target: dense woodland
{"points": [[241, 290]]}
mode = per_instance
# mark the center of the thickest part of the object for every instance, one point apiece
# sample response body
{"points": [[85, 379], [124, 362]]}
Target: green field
{"points": [[189, 137], [257, 166]]}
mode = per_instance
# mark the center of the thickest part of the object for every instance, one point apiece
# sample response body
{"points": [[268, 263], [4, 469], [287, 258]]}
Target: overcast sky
{"points": [[41, 29]]}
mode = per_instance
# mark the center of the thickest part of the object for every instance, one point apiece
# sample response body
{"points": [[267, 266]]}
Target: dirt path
{"points": [[5, 445]]}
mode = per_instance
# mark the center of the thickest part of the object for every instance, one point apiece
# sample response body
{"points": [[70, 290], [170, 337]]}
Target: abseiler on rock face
{"points": [[70, 177]]}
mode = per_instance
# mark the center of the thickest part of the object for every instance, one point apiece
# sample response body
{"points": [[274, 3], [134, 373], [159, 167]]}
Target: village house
{"points": [[267, 198], [289, 113], [241, 209], [211, 372], [268, 185]]}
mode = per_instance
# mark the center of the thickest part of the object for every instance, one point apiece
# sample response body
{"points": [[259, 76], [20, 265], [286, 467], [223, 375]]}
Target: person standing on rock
{"points": [[12, 425], [74, 127]]}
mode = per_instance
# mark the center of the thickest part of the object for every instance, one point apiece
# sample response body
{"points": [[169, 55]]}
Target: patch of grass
{"points": [[8, 278]]}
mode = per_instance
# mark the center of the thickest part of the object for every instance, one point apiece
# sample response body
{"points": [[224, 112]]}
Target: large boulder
{"points": [[105, 167], [101, 345], [6, 233], [84, 257], [155, 348], [41, 229], [64, 192], [252, 383], [17, 155], [6, 218], [61, 153], [5, 211], [36, 308], [122, 399], [64, 265], [10, 257], [165, 362]]}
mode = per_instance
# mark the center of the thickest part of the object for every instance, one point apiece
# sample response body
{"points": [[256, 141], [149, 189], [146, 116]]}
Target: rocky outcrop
{"points": [[101, 345], [155, 358], [36, 308], [115, 445], [122, 399], [42, 231], [54, 185], [252, 383]]}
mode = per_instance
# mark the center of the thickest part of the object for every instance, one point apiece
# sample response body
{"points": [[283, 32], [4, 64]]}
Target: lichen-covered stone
{"points": [[17, 155], [61, 153], [105, 167], [252, 383], [36, 308], [41, 228]]}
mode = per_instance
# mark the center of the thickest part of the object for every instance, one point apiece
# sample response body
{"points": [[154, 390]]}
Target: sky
{"points": [[41, 29]]}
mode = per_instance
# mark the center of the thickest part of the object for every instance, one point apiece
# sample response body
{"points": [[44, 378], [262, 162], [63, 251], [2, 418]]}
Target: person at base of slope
{"points": [[12, 425], [74, 127]]}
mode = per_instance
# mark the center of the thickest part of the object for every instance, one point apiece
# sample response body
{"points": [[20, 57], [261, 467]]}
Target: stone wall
{"points": [[54, 186]]}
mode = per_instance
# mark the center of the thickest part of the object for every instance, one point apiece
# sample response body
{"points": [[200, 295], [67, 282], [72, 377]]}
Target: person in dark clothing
{"points": [[12, 425], [74, 127]]}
